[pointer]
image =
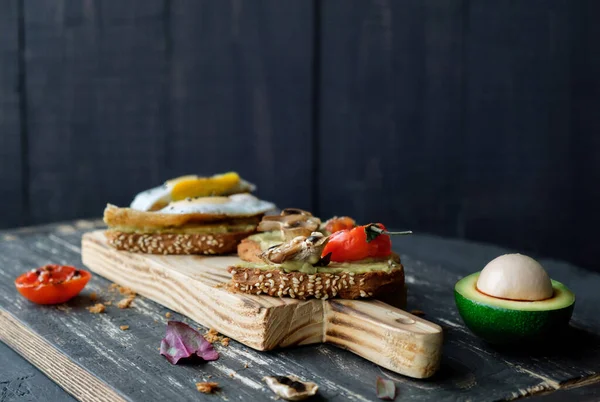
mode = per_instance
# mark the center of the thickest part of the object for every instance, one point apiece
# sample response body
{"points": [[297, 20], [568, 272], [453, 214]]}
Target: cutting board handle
{"points": [[384, 335]]}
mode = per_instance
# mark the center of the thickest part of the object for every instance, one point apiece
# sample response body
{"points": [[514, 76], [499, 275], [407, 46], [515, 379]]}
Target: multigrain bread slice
{"points": [[176, 243], [382, 284], [320, 285]]}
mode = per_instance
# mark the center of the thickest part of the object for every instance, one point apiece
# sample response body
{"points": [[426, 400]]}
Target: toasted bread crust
{"points": [[320, 285], [115, 216], [165, 243]]}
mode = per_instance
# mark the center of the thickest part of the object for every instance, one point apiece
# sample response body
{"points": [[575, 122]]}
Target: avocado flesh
{"points": [[502, 321]]}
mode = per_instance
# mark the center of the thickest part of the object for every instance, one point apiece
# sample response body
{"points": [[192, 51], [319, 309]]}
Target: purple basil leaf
{"points": [[386, 389], [182, 341]]}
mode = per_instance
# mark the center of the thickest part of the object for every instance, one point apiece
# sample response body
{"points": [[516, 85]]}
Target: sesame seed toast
{"points": [[321, 285], [176, 243]]}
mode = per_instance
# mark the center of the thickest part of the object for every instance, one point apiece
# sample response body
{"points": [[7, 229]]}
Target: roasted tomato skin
{"points": [[52, 284], [353, 245], [336, 224]]}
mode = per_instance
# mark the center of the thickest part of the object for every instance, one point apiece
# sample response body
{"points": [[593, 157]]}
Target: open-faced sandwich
{"points": [[187, 215], [297, 255]]}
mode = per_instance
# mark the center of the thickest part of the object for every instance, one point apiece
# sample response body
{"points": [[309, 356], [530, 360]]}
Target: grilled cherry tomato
{"points": [[336, 224], [52, 284], [368, 241]]}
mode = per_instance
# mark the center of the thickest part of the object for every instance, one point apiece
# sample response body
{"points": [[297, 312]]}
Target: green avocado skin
{"points": [[503, 326]]}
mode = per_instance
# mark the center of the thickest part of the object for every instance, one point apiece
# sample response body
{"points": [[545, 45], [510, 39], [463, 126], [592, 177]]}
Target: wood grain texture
{"points": [[20, 380], [470, 369], [240, 93], [96, 101], [459, 117], [73, 378], [11, 163], [391, 112], [195, 286], [122, 96]]}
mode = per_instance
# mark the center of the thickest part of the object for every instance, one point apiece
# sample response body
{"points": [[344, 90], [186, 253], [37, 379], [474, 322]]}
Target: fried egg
{"points": [[190, 186], [234, 205]]}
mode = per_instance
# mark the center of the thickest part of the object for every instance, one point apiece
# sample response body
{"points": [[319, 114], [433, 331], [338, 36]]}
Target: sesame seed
{"points": [[233, 272], [245, 276], [351, 273], [269, 275], [261, 278], [363, 294]]}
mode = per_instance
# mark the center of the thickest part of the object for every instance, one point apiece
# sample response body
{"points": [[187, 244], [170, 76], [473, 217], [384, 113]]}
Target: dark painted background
{"points": [[474, 119]]}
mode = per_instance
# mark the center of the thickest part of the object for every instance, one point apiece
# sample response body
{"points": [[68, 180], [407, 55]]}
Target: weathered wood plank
{"points": [[391, 119], [585, 146], [122, 96], [96, 89], [457, 118], [518, 125], [11, 163], [240, 93], [129, 361], [59, 367], [20, 380]]}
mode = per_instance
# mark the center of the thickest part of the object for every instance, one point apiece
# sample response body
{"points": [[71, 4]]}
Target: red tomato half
{"points": [[52, 284]]}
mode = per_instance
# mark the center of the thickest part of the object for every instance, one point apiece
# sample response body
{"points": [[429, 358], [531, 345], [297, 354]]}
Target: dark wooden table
{"points": [[92, 359]]}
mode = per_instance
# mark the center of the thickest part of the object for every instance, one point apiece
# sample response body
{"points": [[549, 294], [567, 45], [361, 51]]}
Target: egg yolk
{"points": [[194, 186]]}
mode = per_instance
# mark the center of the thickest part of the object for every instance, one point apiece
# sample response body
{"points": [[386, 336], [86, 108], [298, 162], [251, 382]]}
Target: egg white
{"points": [[236, 204]]}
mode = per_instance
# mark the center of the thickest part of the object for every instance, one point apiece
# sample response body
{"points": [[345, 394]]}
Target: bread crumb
{"points": [[417, 312], [232, 374], [97, 308], [207, 387], [122, 289], [212, 335], [209, 376], [168, 314], [124, 327], [108, 303], [225, 341], [125, 303], [246, 365], [93, 296], [126, 291], [63, 307]]}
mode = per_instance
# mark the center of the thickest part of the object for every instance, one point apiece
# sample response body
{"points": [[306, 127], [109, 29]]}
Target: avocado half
{"points": [[502, 321]]}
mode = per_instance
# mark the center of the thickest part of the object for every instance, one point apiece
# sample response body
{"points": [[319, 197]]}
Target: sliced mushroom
{"points": [[292, 222], [301, 248], [291, 388]]}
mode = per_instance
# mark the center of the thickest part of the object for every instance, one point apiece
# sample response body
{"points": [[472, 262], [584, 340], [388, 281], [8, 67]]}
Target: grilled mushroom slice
{"points": [[301, 248], [291, 388], [292, 222]]}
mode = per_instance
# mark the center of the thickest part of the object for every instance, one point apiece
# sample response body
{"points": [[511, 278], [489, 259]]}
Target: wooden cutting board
{"points": [[194, 286]]}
